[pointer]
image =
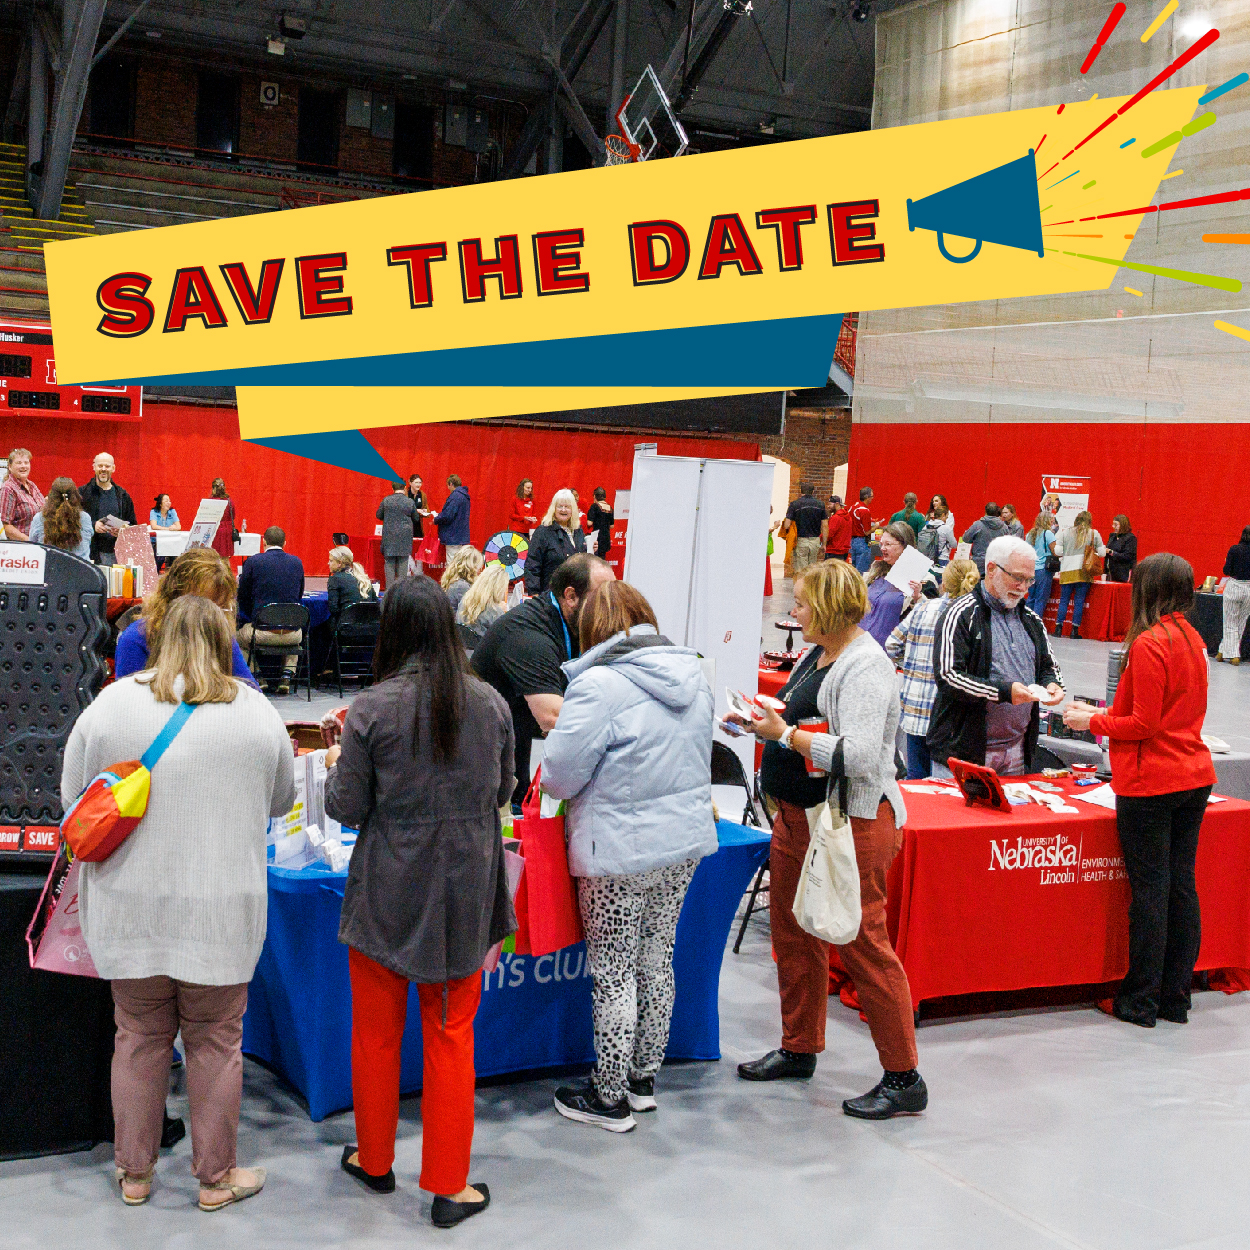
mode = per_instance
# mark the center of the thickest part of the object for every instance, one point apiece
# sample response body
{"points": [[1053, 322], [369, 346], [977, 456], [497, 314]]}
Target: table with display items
{"points": [[979, 900], [535, 1010]]}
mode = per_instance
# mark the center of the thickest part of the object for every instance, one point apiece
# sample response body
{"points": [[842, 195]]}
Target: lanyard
{"points": [[568, 642]]}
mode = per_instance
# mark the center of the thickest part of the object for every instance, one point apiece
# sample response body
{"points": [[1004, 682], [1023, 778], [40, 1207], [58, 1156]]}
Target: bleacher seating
{"points": [[111, 190]]}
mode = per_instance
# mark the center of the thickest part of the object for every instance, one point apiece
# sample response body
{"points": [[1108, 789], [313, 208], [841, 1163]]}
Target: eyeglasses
{"points": [[1022, 580]]}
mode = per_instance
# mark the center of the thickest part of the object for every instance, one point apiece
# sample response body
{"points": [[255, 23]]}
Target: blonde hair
{"points": [[1081, 527], [464, 566], [198, 571], [19, 453], [343, 557], [195, 645], [562, 496], [837, 595], [489, 589], [959, 578]]}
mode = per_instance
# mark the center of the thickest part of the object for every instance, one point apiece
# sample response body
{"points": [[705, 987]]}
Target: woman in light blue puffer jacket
{"points": [[631, 752]]}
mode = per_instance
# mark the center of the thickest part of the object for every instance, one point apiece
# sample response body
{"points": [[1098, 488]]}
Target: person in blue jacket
{"points": [[453, 520], [198, 571], [631, 751]]}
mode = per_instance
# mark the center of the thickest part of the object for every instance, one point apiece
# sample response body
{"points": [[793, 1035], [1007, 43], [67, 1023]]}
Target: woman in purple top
{"points": [[885, 601], [199, 571]]}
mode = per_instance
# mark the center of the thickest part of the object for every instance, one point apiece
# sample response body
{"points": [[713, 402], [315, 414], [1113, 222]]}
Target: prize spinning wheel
{"points": [[508, 549]]}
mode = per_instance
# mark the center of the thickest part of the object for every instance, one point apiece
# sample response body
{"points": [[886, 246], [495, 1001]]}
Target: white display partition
{"points": [[698, 534]]}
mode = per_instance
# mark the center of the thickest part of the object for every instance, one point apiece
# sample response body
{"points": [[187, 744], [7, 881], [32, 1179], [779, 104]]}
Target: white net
{"points": [[617, 148]]}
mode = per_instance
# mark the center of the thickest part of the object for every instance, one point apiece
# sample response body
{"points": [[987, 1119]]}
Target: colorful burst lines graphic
{"points": [[1198, 124]]}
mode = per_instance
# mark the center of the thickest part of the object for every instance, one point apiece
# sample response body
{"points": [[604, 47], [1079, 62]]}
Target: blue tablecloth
{"points": [[535, 1012], [318, 604]]}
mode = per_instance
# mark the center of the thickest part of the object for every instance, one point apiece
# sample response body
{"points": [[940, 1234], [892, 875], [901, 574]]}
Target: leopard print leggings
{"points": [[631, 924]]}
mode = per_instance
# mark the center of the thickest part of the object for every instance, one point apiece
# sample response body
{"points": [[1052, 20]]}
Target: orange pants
{"points": [[379, 1009], [803, 960]]}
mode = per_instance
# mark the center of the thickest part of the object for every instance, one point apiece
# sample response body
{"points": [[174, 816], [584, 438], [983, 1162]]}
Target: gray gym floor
{"points": [[1055, 1127], [1045, 1128]]}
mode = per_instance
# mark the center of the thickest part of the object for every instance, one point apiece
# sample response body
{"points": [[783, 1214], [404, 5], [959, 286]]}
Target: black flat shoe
{"points": [[447, 1213], [779, 1065], [880, 1103], [379, 1184], [1174, 1015]]}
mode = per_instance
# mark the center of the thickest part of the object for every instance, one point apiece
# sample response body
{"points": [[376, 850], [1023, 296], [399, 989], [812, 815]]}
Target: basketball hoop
{"points": [[619, 150]]}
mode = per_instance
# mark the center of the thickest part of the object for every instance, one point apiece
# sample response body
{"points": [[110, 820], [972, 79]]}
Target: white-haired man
{"points": [[990, 648]]}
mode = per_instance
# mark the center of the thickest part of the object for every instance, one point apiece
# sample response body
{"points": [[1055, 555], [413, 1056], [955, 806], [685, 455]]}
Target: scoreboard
{"points": [[28, 386]]}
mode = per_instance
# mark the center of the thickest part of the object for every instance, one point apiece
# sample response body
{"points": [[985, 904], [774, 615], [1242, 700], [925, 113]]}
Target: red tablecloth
{"points": [[1108, 611], [771, 681], [968, 911], [115, 607], [368, 550]]}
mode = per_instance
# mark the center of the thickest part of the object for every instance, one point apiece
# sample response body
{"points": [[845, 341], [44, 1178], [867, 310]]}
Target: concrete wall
{"points": [[978, 400]]}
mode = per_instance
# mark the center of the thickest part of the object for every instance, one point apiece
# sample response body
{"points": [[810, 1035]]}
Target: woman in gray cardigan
{"points": [[175, 917], [424, 764], [859, 699], [631, 752]]}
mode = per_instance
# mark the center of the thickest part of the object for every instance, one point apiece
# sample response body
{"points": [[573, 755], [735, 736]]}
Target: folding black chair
{"points": [[283, 617], [727, 770], [355, 637]]}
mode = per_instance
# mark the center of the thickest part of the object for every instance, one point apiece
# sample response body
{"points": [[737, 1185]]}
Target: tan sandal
{"points": [[232, 1192], [125, 1178]]}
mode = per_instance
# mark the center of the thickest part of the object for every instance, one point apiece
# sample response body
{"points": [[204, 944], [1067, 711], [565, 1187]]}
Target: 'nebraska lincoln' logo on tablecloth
{"points": [[1057, 857]]}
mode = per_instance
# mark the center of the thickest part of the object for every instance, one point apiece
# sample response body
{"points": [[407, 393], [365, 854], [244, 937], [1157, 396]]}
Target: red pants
{"points": [[379, 1009], [803, 960]]}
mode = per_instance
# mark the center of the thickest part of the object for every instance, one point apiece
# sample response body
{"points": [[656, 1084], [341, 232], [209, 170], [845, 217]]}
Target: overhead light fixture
{"points": [[410, 78], [454, 84], [152, 34], [276, 47], [293, 27], [860, 12]]}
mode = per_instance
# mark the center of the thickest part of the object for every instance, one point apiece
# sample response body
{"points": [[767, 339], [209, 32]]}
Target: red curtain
{"points": [[1169, 480], [179, 449]]}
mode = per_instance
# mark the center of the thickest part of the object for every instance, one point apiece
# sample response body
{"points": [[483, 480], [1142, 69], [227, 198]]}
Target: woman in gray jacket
{"points": [[859, 699], [632, 754], [425, 763]]}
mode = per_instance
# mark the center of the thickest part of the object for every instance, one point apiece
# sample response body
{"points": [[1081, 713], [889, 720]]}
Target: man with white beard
{"points": [[990, 649]]}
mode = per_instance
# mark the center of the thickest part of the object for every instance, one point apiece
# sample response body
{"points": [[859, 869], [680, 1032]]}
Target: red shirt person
{"points": [[1161, 773], [524, 515], [20, 498], [838, 530]]}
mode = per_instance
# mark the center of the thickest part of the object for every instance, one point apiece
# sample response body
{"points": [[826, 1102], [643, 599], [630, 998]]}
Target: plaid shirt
{"points": [[18, 503], [913, 641]]}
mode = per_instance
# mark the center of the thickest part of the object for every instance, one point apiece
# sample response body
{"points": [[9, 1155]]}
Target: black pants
{"points": [[1159, 838]]}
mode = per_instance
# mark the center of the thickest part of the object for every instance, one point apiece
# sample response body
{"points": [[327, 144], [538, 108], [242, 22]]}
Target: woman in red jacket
{"points": [[524, 517], [1161, 773]]}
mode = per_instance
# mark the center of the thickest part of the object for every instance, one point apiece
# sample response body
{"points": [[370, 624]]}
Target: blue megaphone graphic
{"points": [[1000, 206]]}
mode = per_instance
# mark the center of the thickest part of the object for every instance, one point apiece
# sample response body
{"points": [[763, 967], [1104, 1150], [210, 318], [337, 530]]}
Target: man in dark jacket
{"points": [[521, 653], [398, 515], [983, 531], [102, 497], [990, 648], [453, 519], [273, 576]]}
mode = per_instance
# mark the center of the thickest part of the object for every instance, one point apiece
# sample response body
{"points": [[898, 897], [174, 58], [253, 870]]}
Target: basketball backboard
{"points": [[647, 120]]}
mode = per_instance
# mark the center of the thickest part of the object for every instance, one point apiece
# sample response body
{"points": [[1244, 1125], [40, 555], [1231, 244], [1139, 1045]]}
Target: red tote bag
{"points": [[546, 898]]}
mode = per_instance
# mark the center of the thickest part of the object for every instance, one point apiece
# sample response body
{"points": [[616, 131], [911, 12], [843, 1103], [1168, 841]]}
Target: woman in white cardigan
{"points": [[175, 917]]}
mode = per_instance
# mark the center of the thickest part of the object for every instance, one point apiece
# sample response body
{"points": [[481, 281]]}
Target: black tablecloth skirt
{"points": [[56, 1043], [1207, 617]]}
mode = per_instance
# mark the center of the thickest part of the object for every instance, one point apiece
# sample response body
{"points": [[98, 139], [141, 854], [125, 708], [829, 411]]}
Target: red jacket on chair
{"points": [[1155, 723]]}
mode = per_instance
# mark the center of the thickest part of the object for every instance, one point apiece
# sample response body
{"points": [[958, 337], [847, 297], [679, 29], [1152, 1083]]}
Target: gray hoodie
{"points": [[632, 753]]}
